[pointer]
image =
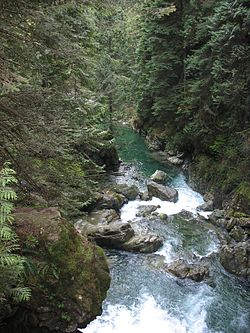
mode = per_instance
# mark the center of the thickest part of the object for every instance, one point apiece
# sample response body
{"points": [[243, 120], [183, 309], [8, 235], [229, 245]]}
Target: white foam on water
{"points": [[146, 317], [205, 214], [188, 200], [196, 313], [168, 252], [213, 248]]}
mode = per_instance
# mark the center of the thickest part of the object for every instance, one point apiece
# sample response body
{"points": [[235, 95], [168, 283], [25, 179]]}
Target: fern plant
{"points": [[11, 264]]}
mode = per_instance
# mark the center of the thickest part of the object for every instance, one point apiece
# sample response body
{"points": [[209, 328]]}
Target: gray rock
{"points": [[184, 214], [162, 192], [159, 177], [182, 269], [130, 192], [145, 211], [143, 243], [111, 235], [235, 258], [109, 200], [175, 160], [218, 218], [238, 234], [170, 152], [120, 235], [103, 216], [145, 196], [207, 206]]}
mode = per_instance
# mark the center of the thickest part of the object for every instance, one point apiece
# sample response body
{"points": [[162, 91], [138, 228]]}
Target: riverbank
{"points": [[233, 217]]}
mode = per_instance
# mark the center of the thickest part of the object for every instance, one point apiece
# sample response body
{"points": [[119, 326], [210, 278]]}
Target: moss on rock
{"points": [[68, 275]]}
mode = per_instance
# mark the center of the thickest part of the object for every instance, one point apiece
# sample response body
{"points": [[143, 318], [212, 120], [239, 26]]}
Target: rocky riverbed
{"points": [[182, 287]]}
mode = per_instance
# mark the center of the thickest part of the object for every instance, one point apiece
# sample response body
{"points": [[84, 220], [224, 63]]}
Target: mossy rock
{"points": [[69, 276], [129, 191], [241, 199]]}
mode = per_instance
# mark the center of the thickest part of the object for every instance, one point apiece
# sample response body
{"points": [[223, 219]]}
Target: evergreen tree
{"points": [[193, 83], [159, 66], [50, 114]]}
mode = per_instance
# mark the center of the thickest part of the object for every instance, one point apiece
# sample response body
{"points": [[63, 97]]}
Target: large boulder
{"points": [[175, 160], [235, 258], [143, 243], [102, 216], [120, 235], [145, 196], [129, 191], [69, 277], [162, 192], [159, 177], [145, 211], [182, 269], [235, 252], [109, 200], [112, 235]]}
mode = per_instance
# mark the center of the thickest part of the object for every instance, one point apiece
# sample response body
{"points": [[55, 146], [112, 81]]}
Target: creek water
{"points": [[144, 298]]}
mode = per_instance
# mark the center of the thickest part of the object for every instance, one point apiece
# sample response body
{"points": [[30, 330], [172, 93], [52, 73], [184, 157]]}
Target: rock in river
{"points": [[159, 177], [145, 211], [120, 235], [112, 235], [182, 269], [162, 192], [109, 200], [129, 191], [175, 160], [143, 243]]}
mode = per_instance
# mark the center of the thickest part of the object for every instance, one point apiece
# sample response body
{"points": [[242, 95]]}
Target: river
{"points": [[143, 298]]}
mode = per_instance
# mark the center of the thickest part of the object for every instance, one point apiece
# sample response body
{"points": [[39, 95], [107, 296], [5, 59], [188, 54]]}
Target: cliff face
{"points": [[68, 275]]}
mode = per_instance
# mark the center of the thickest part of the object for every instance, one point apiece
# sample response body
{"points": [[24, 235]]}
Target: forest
{"points": [[171, 78]]}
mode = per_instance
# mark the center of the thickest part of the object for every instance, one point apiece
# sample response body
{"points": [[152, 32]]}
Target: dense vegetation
{"points": [[51, 110], [11, 264], [51, 120], [68, 69], [192, 71]]}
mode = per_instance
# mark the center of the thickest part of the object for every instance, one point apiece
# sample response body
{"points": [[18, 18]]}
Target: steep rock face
{"points": [[69, 276], [236, 258], [235, 252], [108, 156]]}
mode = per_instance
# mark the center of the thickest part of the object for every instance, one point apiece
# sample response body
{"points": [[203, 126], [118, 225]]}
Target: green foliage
{"points": [[159, 62], [192, 82], [51, 110], [11, 264]]}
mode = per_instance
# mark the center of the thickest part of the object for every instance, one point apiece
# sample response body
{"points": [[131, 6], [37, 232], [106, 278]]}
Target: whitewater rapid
{"points": [[188, 200], [148, 314]]}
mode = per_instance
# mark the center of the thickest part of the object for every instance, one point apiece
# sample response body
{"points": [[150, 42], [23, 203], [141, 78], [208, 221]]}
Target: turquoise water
{"points": [[132, 149], [143, 298]]}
